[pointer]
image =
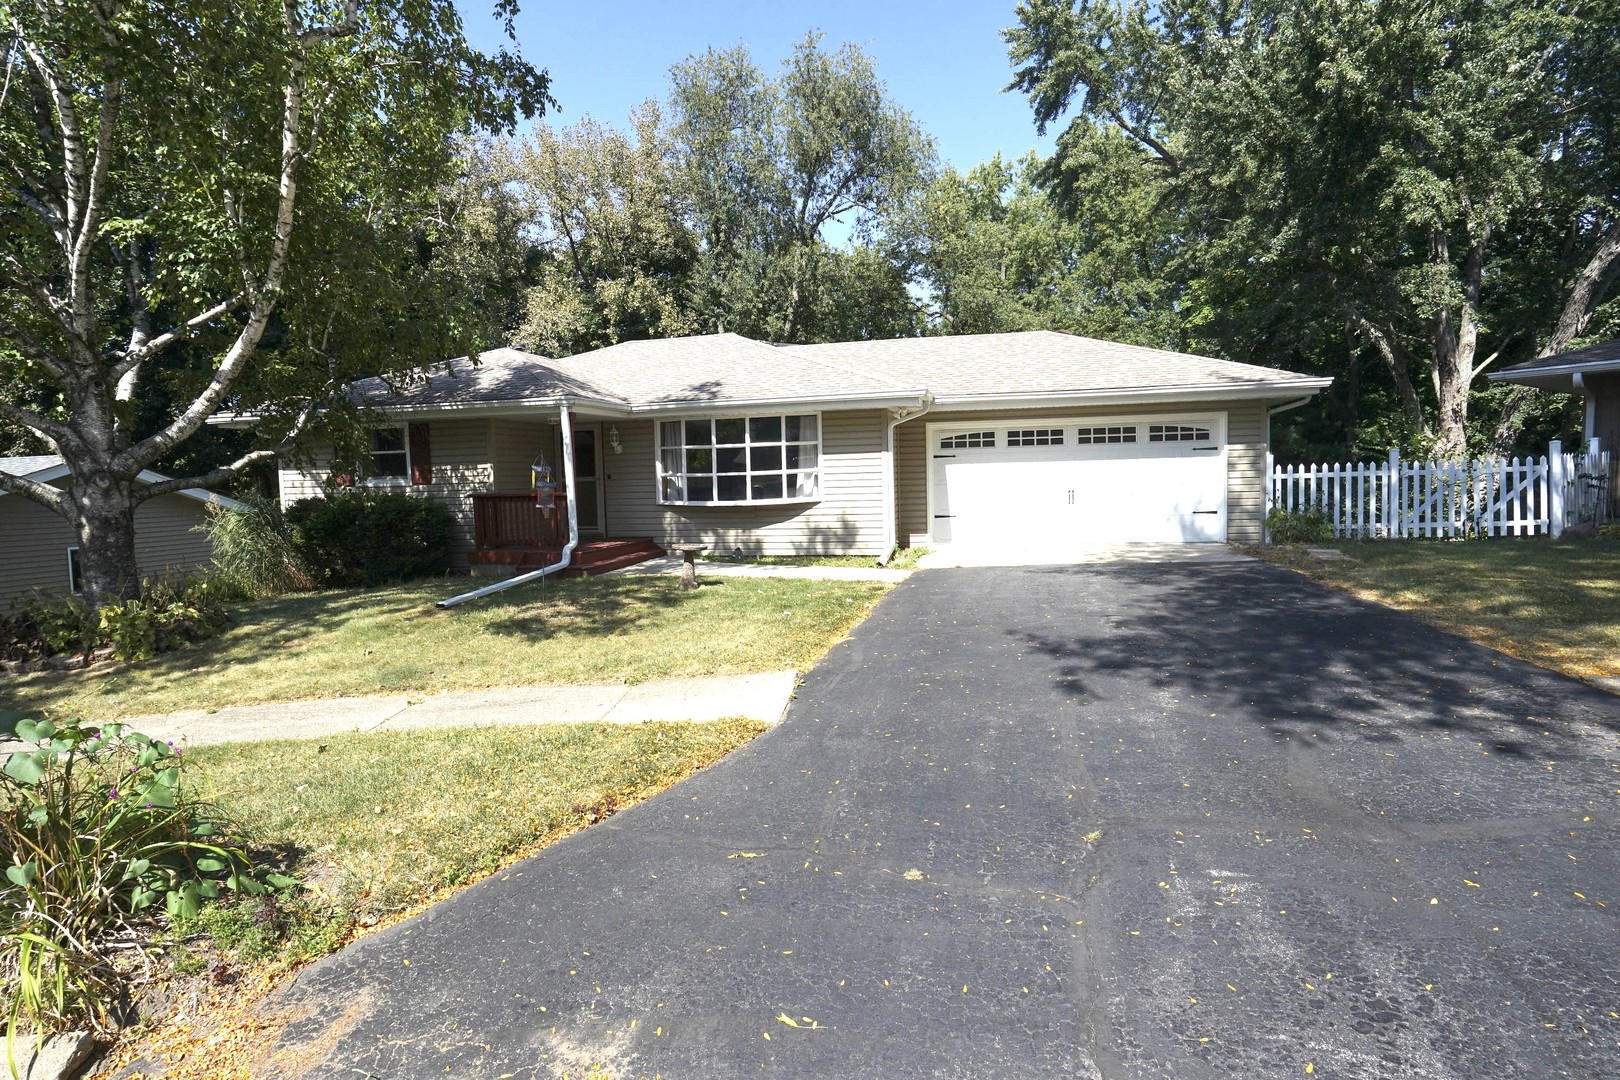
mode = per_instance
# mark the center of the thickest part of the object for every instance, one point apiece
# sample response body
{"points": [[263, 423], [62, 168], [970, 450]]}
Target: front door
{"points": [[587, 478]]}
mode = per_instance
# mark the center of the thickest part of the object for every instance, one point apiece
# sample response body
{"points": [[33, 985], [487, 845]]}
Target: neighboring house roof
{"points": [[1559, 371], [44, 468], [720, 371]]}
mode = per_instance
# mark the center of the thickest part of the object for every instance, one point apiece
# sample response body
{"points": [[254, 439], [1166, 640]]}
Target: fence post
{"points": [[1392, 496], [1556, 481]]}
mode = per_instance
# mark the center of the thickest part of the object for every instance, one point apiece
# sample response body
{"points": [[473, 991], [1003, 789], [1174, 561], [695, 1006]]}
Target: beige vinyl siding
{"points": [[1245, 458], [34, 543], [846, 520], [513, 446], [462, 465]]}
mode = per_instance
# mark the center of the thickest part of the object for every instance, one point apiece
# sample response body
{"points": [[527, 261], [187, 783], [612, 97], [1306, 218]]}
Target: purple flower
{"points": [[113, 794]]}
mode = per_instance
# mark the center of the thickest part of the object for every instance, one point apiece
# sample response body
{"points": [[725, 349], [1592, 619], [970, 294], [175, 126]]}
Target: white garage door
{"points": [[1153, 480]]}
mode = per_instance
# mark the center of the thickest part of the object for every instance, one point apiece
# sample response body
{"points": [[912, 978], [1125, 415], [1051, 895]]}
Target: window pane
{"points": [[672, 489], [801, 428], [386, 440], [731, 459], [389, 464], [765, 458], [801, 457], [700, 488], [697, 433], [671, 457], [730, 431], [669, 432], [733, 489], [699, 461], [767, 487], [765, 429], [803, 484]]}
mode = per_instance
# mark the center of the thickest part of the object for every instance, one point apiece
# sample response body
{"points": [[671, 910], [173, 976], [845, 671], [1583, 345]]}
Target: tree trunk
{"points": [[103, 515]]}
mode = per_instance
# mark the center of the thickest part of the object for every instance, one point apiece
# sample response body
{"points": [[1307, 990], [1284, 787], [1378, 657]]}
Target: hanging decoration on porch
{"points": [[545, 486]]}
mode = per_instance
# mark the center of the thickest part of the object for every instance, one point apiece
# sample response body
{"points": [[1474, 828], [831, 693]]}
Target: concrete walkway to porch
{"points": [[762, 697], [671, 564]]}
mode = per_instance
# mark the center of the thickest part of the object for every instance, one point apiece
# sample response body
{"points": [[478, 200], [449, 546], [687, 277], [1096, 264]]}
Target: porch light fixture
{"points": [[613, 439]]}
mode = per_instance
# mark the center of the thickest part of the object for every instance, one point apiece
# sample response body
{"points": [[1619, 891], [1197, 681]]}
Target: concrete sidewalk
{"points": [[761, 697], [671, 564]]}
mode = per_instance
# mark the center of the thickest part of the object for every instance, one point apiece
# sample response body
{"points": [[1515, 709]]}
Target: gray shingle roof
{"points": [[722, 368], [1604, 353], [1037, 362], [30, 464]]}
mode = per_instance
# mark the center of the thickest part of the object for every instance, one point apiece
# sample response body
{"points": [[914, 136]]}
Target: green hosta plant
{"points": [[106, 847]]}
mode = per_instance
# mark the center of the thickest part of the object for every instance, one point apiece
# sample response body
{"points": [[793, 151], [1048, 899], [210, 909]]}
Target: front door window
{"points": [[587, 483]]}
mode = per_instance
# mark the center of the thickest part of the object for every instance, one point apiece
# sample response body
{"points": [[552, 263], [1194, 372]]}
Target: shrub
{"points": [[45, 625], [1309, 525], [364, 538], [165, 616], [106, 849], [253, 550]]}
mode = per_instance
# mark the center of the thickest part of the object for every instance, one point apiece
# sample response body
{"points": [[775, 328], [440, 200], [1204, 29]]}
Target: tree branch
{"points": [[52, 498], [1586, 292], [225, 472]]}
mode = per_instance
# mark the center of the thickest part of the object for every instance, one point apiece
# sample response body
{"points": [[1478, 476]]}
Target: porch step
{"points": [[591, 557]]}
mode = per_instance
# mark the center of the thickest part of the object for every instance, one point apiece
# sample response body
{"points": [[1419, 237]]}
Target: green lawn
{"points": [[1556, 604], [377, 821], [393, 640]]}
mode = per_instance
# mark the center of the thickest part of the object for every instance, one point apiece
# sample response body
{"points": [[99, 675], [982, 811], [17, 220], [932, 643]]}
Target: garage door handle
{"points": [[1202, 449], [938, 516], [1197, 512], [938, 456]]}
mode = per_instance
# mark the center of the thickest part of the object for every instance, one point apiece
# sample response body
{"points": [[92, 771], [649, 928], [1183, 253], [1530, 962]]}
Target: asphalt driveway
{"points": [[1119, 821]]}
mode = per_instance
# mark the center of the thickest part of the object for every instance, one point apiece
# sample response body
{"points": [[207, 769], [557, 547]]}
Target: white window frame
{"points": [[405, 439], [72, 552], [660, 475]]}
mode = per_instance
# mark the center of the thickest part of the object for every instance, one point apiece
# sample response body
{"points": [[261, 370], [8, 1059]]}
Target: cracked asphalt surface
{"points": [[1105, 821]]}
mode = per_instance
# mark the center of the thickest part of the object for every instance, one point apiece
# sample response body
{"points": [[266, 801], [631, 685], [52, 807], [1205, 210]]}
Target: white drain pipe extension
{"points": [[573, 526]]}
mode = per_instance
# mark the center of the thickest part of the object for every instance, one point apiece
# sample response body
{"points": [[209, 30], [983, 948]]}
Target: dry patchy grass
{"points": [[1556, 604], [393, 640]]}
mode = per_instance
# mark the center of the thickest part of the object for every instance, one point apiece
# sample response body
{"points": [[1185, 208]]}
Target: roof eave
{"points": [[817, 402], [1559, 377], [1136, 395]]}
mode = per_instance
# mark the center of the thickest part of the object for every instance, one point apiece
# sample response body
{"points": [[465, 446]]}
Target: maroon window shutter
{"points": [[421, 455]]}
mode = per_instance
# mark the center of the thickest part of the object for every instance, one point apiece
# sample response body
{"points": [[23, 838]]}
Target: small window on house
{"points": [[75, 575], [968, 440], [1177, 433], [1125, 433], [390, 457], [1035, 437]]}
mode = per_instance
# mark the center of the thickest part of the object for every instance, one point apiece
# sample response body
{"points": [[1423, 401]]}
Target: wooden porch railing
{"points": [[501, 521]]}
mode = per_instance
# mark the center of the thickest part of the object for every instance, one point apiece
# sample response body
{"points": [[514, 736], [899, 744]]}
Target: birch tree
{"points": [[215, 197]]}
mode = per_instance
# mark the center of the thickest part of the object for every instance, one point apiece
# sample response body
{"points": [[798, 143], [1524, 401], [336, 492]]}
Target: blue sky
{"points": [[944, 62]]}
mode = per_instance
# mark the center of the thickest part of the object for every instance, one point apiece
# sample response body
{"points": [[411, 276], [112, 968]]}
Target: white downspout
{"points": [[891, 527], [573, 526]]}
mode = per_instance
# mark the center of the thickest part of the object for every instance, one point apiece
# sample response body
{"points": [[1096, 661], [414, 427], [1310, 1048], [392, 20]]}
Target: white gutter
{"points": [[1287, 405], [1128, 395], [573, 527], [891, 529]]}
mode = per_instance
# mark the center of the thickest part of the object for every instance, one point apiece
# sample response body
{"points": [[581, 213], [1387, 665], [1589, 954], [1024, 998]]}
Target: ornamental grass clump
{"points": [[107, 851]]}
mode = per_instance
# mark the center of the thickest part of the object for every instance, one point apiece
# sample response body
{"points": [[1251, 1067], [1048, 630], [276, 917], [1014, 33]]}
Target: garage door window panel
{"points": [[1035, 437], [1177, 433], [739, 459], [969, 440], [1091, 436]]}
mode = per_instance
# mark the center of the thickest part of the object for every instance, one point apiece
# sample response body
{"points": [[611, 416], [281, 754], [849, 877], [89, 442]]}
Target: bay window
{"points": [[739, 459]]}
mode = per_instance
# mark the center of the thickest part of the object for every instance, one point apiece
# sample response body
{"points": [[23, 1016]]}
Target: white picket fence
{"points": [[1487, 497]]}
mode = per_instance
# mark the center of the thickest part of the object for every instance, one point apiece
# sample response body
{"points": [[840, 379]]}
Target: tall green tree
{"points": [[608, 214], [221, 200], [1439, 179], [775, 166], [1015, 246]]}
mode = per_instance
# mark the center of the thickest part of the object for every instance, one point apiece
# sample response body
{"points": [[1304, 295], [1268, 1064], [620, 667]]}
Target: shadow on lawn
{"points": [[1301, 659]]}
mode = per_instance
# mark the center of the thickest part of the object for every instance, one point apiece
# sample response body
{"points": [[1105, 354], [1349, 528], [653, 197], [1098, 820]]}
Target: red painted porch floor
{"points": [[591, 557]]}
